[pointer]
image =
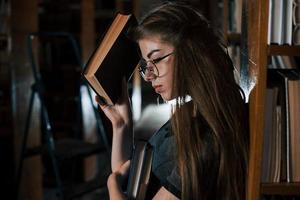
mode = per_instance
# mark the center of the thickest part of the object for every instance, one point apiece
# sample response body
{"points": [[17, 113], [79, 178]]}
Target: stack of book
{"points": [[283, 62], [281, 153]]}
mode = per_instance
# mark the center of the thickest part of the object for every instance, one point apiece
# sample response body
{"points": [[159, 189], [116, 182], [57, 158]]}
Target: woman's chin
{"points": [[165, 97]]}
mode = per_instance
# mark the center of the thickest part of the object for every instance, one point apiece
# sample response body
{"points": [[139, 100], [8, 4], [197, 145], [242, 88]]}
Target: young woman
{"points": [[202, 153]]}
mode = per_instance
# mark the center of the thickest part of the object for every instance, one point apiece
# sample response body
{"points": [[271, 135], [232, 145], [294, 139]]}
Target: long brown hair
{"points": [[212, 130]]}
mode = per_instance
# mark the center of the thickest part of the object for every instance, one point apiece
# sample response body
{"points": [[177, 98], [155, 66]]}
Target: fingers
{"points": [[107, 109], [100, 100], [113, 113], [124, 168]]}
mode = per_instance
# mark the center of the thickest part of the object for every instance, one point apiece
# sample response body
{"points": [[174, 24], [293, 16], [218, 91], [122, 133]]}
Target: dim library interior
{"points": [[53, 147]]}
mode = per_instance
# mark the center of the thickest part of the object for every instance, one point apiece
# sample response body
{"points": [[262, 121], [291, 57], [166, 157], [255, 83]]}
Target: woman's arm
{"points": [[164, 194], [115, 192], [114, 189], [115, 180], [121, 146], [121, 119]]}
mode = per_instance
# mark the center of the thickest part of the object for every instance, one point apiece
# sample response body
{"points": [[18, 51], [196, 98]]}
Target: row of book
{"points": [[283, 62], [281, 149], [284, 22]]}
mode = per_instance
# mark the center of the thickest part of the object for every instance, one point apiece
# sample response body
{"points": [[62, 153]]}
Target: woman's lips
{"points": [[158, 88]]}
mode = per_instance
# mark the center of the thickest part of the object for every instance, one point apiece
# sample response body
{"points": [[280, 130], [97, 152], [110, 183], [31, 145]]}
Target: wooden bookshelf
{"points": [[234, 38], [259, 51], [280, 189], [24, 20], [257, 48], [284, 50]]}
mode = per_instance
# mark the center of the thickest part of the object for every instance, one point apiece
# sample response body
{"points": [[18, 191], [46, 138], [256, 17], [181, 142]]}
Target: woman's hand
{"points": [[121, 119], [115, 181], [120, 113]]}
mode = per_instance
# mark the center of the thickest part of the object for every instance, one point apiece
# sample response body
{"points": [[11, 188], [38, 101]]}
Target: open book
{"points": [[116, 57]]}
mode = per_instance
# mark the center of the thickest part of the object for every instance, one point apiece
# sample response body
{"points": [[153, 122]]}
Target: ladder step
{"points": [[86, 187], [34, 151], [68, 149]]}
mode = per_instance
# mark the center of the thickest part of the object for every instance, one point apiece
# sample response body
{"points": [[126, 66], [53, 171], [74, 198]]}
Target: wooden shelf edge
{"points": [[285, 50], [234, 38], [288, 189]]}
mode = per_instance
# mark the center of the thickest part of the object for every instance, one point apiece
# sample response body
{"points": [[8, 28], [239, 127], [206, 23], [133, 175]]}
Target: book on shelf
{"points": [[271, 136], [294, 117], [235, 16], [296, 23], [286, 122], [281, 150], [282, 62], [275, 16], [287, 22], [280, 24], [115, 57], [140, 169], [270, 35]]}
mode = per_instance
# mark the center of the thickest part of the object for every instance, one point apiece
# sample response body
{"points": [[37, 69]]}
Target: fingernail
{"points": [[101, 100]]}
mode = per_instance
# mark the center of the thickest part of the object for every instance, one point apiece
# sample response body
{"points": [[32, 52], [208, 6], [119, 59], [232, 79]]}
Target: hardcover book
{"points": [[116, 57], [140, 169]]}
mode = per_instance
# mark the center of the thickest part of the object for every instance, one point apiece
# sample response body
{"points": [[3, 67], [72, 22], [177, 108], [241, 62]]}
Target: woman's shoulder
{"points": [[164, 146], [163, 132], [164, 159]]}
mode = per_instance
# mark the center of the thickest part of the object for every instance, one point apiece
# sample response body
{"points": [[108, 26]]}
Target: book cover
{"points": [[276, 21], [296, 19], [289, 77], [285, 127], [294, 115], [270, 130], [270, 21], [140, 169], [288, 22], [116, 57]]}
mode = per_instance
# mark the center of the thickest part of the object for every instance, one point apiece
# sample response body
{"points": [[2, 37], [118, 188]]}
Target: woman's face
{"points": [[153, 48]]}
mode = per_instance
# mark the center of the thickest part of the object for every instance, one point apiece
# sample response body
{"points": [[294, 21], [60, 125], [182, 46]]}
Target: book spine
{"points": [[270, 21], [288, 22], [277, 16], [296, 23], [287, 130], [294, 111]]}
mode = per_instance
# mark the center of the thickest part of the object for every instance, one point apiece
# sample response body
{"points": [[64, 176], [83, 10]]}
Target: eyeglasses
{"points": [[148, 68]]}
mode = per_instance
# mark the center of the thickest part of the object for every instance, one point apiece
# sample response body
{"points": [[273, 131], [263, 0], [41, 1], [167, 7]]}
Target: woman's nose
{"points": [[149, 78], [149, 75]]}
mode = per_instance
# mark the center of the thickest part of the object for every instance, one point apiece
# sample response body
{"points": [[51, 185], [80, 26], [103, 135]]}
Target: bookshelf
{"points": [[284, 50], [234, 38], [6, 125], [282, 189], [259, 51], [23, 20]]}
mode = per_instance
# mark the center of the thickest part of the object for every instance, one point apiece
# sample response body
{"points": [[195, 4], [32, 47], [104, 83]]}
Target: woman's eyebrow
{"points": [[151, 52]]}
